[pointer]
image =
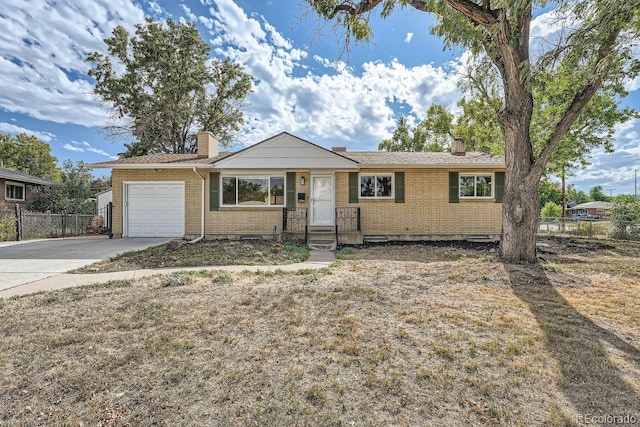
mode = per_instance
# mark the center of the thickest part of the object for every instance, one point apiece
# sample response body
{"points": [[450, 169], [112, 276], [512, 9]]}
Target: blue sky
{"points": [[305, 85]]}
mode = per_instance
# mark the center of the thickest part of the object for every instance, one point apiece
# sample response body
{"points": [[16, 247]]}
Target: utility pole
{"points": [[635, 183], [611, 190]]}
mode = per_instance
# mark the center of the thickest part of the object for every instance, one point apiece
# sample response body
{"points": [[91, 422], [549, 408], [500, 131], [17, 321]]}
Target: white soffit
{"points": [[285, 151]]}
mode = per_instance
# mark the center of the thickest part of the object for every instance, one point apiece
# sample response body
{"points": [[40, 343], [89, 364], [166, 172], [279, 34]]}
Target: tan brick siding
{"points": [[426, 210]]}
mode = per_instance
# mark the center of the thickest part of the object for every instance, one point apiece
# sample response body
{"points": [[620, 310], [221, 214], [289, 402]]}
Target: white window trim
{"points": [[267, 176], [475, 174], [376, 175], [15, 184]]}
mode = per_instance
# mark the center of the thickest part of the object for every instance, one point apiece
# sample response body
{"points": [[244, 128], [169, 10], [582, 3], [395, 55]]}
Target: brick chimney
{"points": [[339, 149], [207, 145], [457, 147]]}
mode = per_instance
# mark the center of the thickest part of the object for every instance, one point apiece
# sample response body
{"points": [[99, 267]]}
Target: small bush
{"points": [[550, 211], [625, 217], [589, 229], [175, 279], [345, 251], [7, 228]]}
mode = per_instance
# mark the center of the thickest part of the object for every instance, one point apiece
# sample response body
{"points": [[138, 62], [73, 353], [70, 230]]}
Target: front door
{"points": [[322, 192]]}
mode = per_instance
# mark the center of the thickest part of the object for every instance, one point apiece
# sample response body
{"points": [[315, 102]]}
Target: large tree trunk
{"points": [[520, 208], [520, 219]]}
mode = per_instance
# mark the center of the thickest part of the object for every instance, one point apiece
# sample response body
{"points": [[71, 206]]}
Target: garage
{"points": [[154, 209]]}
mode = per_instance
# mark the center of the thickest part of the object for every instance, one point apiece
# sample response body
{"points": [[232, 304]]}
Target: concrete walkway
{"points": [[316, 260]]}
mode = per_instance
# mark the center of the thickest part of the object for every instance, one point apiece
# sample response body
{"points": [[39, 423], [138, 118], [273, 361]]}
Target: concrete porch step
{"points": [[313, 229], [322, 244]]}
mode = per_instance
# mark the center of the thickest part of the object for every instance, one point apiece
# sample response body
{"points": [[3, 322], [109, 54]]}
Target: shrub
{"points": [[7, 228], [550, 211], [625, 218], [176, 279]]}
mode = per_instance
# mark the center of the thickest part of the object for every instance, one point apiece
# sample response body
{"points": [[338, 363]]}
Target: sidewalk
{"points": [[316, 260]]}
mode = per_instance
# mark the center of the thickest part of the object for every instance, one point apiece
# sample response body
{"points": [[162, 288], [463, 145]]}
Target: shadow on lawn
{"points": [[590, 381]]}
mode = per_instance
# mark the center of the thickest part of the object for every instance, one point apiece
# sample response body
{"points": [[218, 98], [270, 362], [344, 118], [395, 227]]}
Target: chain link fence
{"points": [[18, 224], [591, 228]]}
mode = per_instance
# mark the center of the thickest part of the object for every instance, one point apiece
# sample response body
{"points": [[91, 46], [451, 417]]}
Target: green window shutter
{"points": [[214, 191], [399, 184], [499, 187], [454, 192], [353, 187], [291, 191]]}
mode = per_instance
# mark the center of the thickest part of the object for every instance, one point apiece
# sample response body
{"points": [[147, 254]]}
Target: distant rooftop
{"points": [[23, 177]]}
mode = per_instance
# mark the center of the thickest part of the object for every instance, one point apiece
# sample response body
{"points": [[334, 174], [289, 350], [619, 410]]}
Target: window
{"points": [[376, 186], [14, 191], [253, 191], [476, 186]]}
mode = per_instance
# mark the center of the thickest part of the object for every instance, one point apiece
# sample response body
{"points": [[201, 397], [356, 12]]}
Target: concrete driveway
{"points": [[31, 260]]}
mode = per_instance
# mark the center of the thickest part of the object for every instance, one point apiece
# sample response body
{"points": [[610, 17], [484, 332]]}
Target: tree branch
{"points": [[579, 100], [363, 7], [480, 15]]}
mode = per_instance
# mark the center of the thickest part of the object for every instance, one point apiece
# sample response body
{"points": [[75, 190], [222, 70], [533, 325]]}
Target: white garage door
{"points": [[155, 210]]}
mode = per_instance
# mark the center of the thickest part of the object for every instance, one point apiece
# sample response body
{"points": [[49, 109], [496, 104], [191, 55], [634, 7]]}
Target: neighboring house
{"points": [[286, 186], [18, 188], [103, 199], [598, 209]]}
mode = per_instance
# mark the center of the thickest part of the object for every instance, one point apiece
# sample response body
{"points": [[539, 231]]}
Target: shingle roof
{"points": [[593, 205], [157, 159], [23, 177], [423, 159], [363, 158]]}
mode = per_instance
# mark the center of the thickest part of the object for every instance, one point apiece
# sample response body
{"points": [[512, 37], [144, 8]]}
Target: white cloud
{"points": [[408, 38], [14, 130], [613, 171], [85, 147], [42, 51], [346, 107]]}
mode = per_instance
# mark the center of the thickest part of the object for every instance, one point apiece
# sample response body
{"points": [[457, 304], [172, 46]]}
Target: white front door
{"points": [[322, 200]]}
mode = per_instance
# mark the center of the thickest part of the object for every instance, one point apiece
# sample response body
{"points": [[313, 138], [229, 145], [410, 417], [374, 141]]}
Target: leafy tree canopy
{"points": [[625, 217], [549, 191], [163, 88], [74, 193], [597, 195], [577, 196], [544, 94], [25, 153], [432, 134]]}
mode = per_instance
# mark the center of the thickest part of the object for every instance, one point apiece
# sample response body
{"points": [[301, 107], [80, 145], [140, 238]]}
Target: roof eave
{"points": [[433, 165], [151, 166]]}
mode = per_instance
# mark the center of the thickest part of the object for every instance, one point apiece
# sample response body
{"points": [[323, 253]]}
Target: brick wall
{"points": [[426, 210], [30, 196], [221, 223]]}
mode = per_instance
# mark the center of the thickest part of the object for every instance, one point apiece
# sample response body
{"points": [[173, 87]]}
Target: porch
{"points": [[345, 230]]}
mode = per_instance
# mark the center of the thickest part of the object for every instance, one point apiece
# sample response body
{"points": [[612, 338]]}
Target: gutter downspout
{"points": [[197, 239]]}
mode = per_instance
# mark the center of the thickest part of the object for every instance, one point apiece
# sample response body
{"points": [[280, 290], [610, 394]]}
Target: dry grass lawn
{"points": [[406, 335]]}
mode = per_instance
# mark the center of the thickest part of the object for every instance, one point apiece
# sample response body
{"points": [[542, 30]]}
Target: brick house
{"points": [[18, 188], [594, 209], [285, 187]]}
